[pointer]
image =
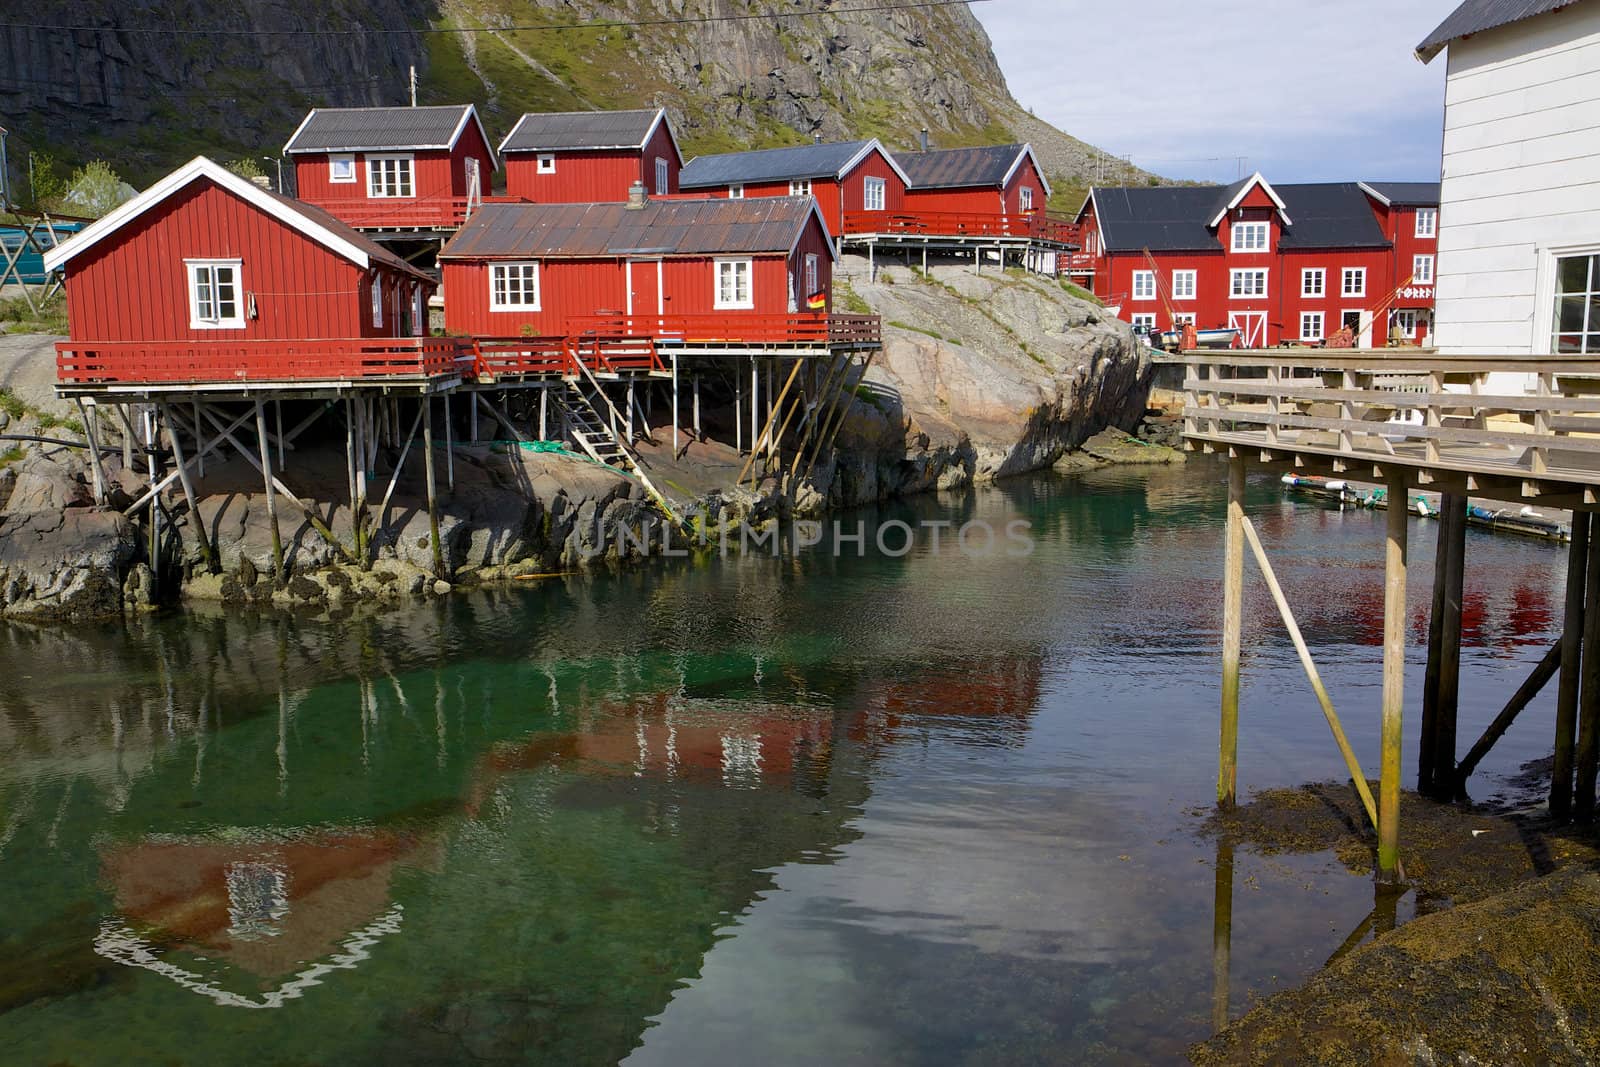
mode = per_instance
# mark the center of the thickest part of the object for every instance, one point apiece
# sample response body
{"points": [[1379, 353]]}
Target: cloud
{"points": [[1304, 91]]}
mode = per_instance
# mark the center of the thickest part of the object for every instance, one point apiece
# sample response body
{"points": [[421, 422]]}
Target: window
{"points": [[1247, 283], [1313, 282], [873, 194], [1311, 326], [801, 187], [1025, 197], [1355, 281], [661, 177], [1183, 284], [813, 286], [341, 170], [735, 192], [1250, 236], [733, 284], [389, 176], [214, 294], [1144, 285], [1180, 319], [547, 163], [1405, 321], [1577, 310], [419, 312], [1144, 322], [1421, 270], [1427, 222], [514, 287], [377, 301]]}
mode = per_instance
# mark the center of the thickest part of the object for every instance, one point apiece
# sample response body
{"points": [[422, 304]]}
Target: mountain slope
{"points": [[734, 73]]}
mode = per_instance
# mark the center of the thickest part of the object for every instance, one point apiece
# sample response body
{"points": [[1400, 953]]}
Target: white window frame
{"points": [[376, 176], [874, 194], [734, 303], [813, 275], [1320, 333], [1422, 270], [1408, 319], [1234, 290], [1025, 198], [419, 312], [1239, 244], [527, 275], [545, 163], [377, 301], [1359, 275], [1185, 284], [1427, 222], [1144, 319], [735, 192], [1545, 320], [193, 269], [663, 177], [1180, 319], [345, 159], [800, 187], [1320, 289], [1144, 285]]}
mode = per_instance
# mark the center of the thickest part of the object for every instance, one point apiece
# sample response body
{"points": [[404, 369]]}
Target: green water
{"points": [[939, 808]]}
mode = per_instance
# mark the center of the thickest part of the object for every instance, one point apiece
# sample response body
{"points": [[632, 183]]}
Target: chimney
{"points": [[816, 136], [923, 138], [636, 197]]}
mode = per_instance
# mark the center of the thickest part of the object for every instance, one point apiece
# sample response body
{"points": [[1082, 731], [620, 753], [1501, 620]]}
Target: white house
{"points": [[1519, 239]]}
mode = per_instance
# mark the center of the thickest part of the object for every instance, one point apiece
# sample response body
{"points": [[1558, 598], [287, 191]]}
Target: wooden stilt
{"points": [[188, 494], [766, 431], [755, 401], [350, 470], [1232, 628], [1588, 747], [674, 403], [1571, 654], [127, 436], [697, 431], [544, 412], [1524, 695], [277, 416], [363, 464], [845, 396], [630, 406], [200, 440], [1394, 678], [433, 499], [449, 448], [150, 442], [472, 417], [1454, 522], [272, 500], [91, 430], [1430, 683], [738, 408]]}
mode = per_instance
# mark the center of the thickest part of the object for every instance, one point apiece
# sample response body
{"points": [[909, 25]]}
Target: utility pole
{"points": [[413, 85], [5, 174]]}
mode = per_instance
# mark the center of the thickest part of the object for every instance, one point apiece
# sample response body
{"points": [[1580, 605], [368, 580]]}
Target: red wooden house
{"points": [[1284, 263], [745, 270], [961, 190], [580, 157], [207, 277], [848, 178], [393, 168], [1409, 215]]}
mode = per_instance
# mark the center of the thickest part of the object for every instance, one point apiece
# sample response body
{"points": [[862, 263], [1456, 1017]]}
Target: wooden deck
{"points": [[917, 227], [1441, 421]]}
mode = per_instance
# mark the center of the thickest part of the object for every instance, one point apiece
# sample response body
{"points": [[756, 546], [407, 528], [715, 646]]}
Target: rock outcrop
{"points": [[60, 558]]}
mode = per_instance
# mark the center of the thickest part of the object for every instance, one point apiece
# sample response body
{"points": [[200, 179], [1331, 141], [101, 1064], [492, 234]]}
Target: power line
{"points": [[366, 31]]}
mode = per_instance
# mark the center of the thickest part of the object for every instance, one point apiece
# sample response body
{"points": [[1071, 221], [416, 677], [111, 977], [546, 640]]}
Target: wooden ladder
{"points": [[593, 433]]}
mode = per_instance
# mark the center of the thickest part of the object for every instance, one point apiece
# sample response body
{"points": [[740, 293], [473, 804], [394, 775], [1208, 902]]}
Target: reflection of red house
{"points": [[997, 690], [581, 157]]}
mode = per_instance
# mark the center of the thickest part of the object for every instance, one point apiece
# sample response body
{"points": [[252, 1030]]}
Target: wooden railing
{"points": [[1037, 226], [242, 362], [404, 213], [1528, 418], [732, 328]]}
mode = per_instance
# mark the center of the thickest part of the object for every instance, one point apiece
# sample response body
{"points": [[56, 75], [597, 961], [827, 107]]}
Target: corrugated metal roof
{"points": [[956, 168], [1176, 218], [661, 227], [770, 165], [557, 130], [368, 129], [1475, 16], [1408, 194]]}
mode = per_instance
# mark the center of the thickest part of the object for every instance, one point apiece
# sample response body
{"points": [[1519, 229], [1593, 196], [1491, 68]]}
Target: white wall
{"points": [[1521, 178]]}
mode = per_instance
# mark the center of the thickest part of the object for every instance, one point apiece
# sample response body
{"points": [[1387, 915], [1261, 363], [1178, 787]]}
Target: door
{"points": [[1252, 327], [644, 294], [1360, 324]]}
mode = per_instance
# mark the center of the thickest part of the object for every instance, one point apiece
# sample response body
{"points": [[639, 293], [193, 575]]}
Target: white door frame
{"points": [[1252, 327], [1364, 335]]}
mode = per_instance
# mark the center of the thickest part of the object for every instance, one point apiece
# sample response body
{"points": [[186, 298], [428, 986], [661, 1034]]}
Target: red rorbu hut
{"points": [[586, 156], [848, 179]]}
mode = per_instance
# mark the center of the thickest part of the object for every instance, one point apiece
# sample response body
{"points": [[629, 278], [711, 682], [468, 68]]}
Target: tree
{"points": [[46, 188], [96, 189], [247, 168]]}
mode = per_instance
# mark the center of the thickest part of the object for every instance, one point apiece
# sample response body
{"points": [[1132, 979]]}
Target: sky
{"points": [[1304, 90]]}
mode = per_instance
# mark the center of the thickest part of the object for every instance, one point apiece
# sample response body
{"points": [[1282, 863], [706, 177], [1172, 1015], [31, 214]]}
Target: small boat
{"points": [[1222, 337]]}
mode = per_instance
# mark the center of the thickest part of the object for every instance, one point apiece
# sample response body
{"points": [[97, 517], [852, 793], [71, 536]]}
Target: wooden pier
{"points": [[1524, 430]]}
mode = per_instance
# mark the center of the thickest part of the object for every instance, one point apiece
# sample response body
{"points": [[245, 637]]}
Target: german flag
{"points": [[817, 301]]}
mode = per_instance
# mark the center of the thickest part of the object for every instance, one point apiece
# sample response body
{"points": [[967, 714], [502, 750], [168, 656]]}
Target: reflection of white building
{"points": [[1519, 241]]}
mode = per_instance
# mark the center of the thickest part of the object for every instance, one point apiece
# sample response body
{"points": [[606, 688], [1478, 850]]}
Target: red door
{"points": [[644, 294]]}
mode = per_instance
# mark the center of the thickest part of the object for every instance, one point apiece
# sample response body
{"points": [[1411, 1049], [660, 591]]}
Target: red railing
{"points": [[241, 362], [1036, 225], [402, 213], [721, 327]]}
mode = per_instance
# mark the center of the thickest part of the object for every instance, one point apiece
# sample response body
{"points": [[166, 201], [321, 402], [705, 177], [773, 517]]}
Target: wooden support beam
{"points": [[91, 431], [501, 419], [1441, 694], [400, 464], [433, 497], [272, 500], [449, 448], [189, 497], [1232, 627], [1394, 679], [1572, 630], [1588, 747], [1530, 688], [350, 470], [766, 430], [846, 396]]}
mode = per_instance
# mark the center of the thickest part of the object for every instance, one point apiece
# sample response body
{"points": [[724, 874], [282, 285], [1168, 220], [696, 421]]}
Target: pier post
{"points": [[449, 449], [1394, 677], [544, 412], [674, 404], [188, 493], [697, 431], [1588, 748], [1571, 654], [755, 402], [265, 448], [1436, 758], [1232, 628], [1222, 935], [433, 496]]}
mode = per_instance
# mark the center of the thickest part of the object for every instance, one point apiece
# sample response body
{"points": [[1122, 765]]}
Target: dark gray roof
{"points": [[771, 165], [1407, 194], [558, 130], [369, 129], [1475, 16], [1177, 218], [956, 168], [661, 227]]}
